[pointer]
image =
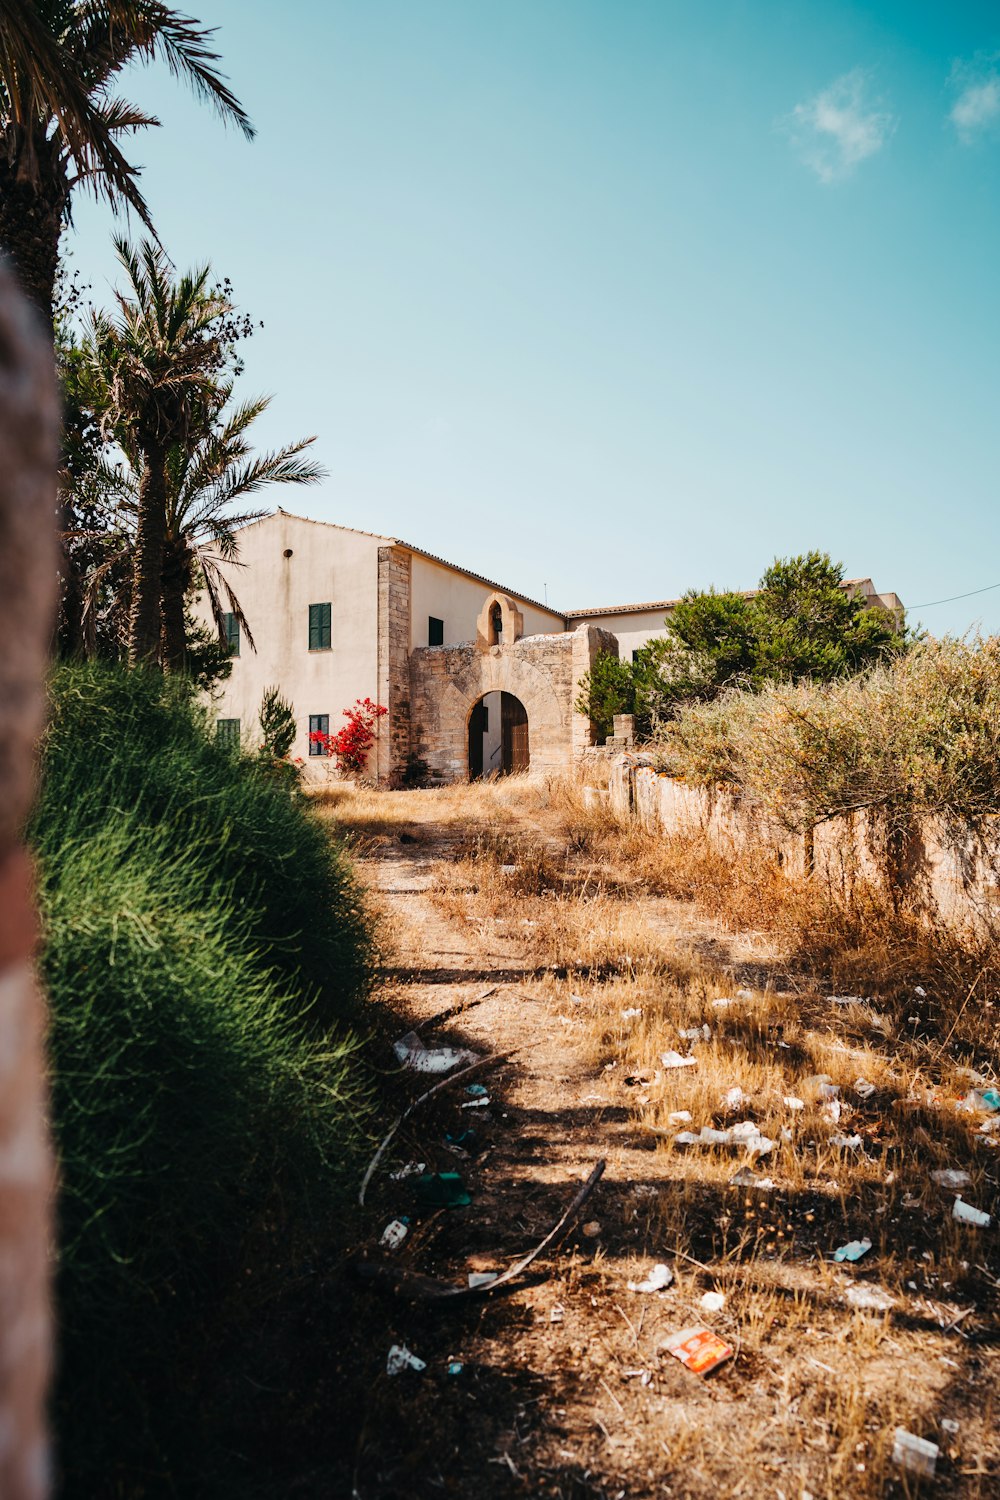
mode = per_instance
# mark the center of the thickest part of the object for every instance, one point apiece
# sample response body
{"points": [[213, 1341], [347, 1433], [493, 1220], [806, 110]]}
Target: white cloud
{"points": [[977, 107], [840, 127]]}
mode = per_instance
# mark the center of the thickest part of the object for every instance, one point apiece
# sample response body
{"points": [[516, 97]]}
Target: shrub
{"points": [[352, 743], [203, 1121], [138, 741]]}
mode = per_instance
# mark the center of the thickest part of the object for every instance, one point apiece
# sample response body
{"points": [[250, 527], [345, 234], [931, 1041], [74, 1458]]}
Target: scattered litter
{"points": [[948, 1424], [508, 869], [854, 1250], [701, 1350], [831, 1110], [399, 1359], [861, 1294], [952, 1177], [746, 1177], [744, 994], [557, 1314], [846, 999], [686, 1138], [679, 1117], [722, 1002], [674, 1060], [915, 1454], [454, 1367], [442, 1190], [412, 1053], [846, 1142], [695, 1034], [632, 1012], [412, 1169], [644, 1189], [733, 1099], [918, 989], [592, 1228], [395, 1233], [476, 1090], [482, 1278], [578, 999], [828, 1090], [658, 1280], [966, 1214], [712, 1302], [786, 1134], [864, 1088], [476, 1104], [746, 1133], [709, 1136], [793, 1102]]}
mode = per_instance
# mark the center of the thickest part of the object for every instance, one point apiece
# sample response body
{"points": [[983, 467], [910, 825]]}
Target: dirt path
{"points": [[562, 1386]]}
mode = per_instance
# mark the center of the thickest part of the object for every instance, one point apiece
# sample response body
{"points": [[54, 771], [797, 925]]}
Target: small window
{"points": [[232, 625], [319, 627], [227, 732], [435, 631], [319, 731], [635, 656]]}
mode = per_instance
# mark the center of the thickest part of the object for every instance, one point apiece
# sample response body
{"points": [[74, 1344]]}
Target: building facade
{"points": [[477, 680]]}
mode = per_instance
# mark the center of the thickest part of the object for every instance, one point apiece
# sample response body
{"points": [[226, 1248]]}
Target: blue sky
{"points": [[613, 298]]}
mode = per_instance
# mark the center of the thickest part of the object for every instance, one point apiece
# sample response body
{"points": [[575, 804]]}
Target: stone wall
{"points": [[542, 671], [957, 883], [394, 627]]}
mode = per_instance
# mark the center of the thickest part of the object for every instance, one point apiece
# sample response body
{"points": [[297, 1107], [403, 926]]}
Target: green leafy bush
{"points": [[200, 1111]]}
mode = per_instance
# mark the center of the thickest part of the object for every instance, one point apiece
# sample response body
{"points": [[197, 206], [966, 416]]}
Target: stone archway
{"points": [[498, 736]]}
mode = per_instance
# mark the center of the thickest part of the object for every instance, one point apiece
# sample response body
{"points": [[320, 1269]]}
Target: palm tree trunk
{"points": [[150, 540], [173, 639], [31, 218]]}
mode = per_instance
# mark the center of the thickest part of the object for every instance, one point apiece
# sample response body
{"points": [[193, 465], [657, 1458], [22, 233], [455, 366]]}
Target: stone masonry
{"points": [[393, 746]]}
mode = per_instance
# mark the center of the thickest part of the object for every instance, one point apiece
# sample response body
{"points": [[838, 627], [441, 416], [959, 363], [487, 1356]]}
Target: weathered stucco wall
{"points": [[327, 565], [955, 883], [633, 628], [448, 595]]}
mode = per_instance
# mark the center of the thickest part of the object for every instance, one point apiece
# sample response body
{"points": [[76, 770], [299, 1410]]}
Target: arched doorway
{"points": [[498, 736]]}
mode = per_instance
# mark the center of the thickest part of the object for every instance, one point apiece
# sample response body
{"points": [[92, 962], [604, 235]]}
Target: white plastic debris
{"points": [[712, 1302], [872, 1298], [679, 1117], [948, 1424], [747, 1177], [557, 1314], [828, 1090], [394, 1234], [792, 1101], [695, 1034], [658, 1280], [846, 1142], [399, 1359], [686, 1138], [918, 989], [744, 994], [864, 1088], [846, 999], [673, 1059], [853, 1250], [733, 1098], [831, 1110], [476, 1104], [412, 1169], [709, 1136], [966, 1214], [482, 1278], [632, 1012], [914, 1454], [722, 1002], [952, 1177], [412, 1053], [508, 869]]}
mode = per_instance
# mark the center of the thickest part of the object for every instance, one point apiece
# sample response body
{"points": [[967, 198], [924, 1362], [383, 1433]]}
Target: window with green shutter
{"points": [[227, 732], [232, 625], [319, 733], [319, 627]]}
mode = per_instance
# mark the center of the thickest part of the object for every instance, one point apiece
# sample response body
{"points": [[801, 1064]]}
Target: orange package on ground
{"points": [[700, 1349]]}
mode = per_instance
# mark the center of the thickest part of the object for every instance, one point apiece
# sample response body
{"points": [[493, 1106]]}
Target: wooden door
{"points": [[514, 734]]}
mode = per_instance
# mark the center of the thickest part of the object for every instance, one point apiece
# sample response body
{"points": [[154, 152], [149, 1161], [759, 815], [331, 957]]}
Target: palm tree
{"points": [[60, 122], [155, 378], [205, 479]]}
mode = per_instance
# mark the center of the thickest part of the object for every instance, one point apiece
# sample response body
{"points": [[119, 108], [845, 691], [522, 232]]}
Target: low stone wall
{"points": [[957, 883]]}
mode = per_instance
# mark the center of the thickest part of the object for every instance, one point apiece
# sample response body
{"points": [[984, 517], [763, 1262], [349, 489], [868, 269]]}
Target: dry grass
{"points": [[593, 903]]}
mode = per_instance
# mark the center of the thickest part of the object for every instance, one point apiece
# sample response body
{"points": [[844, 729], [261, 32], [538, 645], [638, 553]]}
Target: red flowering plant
{"points": [[352, 744]]}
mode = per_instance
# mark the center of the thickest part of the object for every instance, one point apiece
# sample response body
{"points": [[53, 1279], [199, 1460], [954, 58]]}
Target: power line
{"points": [[953, 597]]}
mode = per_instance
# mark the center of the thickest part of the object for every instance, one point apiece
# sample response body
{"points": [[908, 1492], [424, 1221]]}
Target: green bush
{"points": [[136, 741], [199, 1113]]}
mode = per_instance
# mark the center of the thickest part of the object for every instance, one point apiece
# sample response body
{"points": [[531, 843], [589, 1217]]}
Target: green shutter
{"points": [[232, 634], [319, 627], [227, 732]]}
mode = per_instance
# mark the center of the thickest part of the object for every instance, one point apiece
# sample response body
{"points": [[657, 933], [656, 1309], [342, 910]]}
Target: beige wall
{"points": [[449, 596], [328, 564], [633, 628]]}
